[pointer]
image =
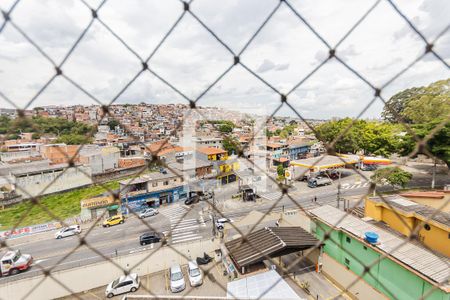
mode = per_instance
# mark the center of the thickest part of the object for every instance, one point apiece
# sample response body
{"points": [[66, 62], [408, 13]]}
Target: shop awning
{"points": [[113, 207], [376, 161]]}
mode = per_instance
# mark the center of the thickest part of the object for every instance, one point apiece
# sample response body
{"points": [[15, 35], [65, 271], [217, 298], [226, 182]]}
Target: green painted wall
{"points": [[386, 276]]}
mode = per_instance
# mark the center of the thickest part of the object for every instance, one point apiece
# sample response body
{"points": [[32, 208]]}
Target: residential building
{"points": [[223, 165], [297, 150], [389, 267], [100, 159], [60, 153], [214, 142], [404, 216], [152, 189]]}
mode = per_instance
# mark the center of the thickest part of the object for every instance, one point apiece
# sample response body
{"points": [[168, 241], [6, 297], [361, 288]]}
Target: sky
{"points": [[283, 53]]}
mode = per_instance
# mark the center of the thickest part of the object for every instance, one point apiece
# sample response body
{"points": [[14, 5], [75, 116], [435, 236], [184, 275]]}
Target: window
{"points": [[427, 227], [154, 184], [347, 261], [365, 248], [166, 183], [348, 240]]}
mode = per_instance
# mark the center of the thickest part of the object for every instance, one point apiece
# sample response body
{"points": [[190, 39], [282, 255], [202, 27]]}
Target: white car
{"points": [[68, 231], [123, 284], [194, 274], [148, 212], [221, 221], [177, 283]]}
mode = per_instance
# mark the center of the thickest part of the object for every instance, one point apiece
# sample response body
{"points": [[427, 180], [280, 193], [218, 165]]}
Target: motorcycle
{"points": [[204, 260]]}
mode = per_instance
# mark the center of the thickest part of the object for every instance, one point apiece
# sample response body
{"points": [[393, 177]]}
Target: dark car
{"points": [[150, 238], [368, 167], [192, 200]]}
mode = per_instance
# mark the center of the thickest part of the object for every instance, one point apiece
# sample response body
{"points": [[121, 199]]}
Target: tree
{"points": [[392, 175], [113, 123], [231, 145], [425, 108], [74, 139], [419, 104], [280, 170], [348, 142], [225, 128]]}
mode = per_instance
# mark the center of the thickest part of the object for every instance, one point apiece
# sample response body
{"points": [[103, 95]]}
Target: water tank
{"points": [[371, 237]]}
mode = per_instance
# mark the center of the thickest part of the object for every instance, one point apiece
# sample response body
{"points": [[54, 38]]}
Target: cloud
{"points": [[268, 65], [283, 53]]}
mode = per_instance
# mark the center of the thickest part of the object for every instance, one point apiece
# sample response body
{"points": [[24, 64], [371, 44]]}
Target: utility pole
{"points": [[339, 190], [433, 180]]}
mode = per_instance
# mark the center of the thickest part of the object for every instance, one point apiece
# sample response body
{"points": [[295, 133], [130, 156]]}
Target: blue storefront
{"points": [[298, 151], [154, 198]]}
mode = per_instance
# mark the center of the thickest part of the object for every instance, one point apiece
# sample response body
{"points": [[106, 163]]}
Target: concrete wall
{"points": [[43, 184], [342, 277], [87, 277]]}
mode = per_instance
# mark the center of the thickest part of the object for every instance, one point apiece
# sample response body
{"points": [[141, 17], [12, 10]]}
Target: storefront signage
{"points": [[97, 202]]}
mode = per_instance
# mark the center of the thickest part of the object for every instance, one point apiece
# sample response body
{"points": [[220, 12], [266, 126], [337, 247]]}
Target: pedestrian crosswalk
{"points": [[182, 228], [271, 195], [351, 186]]}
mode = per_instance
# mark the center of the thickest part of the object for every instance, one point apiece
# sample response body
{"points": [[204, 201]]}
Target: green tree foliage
{"points": [[372, 137], [392, 175], [40, 125], [420, 104], [280, 170], [231, 144], [225, 128], [425, 108], [74, 139], [113, 123]]}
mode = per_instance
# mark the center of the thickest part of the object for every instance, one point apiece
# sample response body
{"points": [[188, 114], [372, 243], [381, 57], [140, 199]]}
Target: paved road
{"points": [[186, 224]]}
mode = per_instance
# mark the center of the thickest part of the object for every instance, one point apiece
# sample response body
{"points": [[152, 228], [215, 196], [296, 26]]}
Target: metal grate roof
{"points": [[423, 261]]}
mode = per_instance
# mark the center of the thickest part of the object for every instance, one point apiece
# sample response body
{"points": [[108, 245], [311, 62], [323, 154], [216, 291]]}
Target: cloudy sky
{"points": [[282, 54]]}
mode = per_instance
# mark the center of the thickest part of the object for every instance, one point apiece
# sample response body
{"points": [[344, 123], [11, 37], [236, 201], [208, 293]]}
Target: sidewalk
{"points": [[304, 271]]}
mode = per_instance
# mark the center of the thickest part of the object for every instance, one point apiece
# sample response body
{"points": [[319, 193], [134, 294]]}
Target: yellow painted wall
{"points": [[436, 238], [401, 223], [373, 211]]}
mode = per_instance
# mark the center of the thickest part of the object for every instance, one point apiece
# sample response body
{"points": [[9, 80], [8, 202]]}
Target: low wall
{"points": [[100, 274], [342, 277], [48, 183]]}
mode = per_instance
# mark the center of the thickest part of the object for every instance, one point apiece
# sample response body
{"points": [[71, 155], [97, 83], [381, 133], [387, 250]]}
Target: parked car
{"points": [[150, 238], [221, 221], [192, 200], [123, 284], [368, 167], [248, 194], [318, 181], [177, 283], [195, 274], [68, 231], [14, 262], [196, 196], [148, 212], [119, 219]]}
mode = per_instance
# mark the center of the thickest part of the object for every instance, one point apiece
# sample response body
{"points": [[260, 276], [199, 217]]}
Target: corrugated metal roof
{"points": [[427, 263], [403, 204], [267, 241]]}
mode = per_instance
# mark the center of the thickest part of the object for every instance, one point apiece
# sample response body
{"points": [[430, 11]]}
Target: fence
{"points": [[187, 9]]}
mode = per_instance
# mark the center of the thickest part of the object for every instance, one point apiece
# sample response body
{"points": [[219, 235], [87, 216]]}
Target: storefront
{"points": [[153, 199], [97, 207]]}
